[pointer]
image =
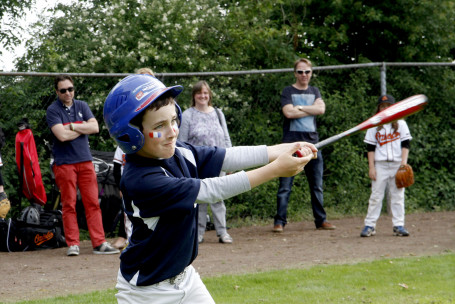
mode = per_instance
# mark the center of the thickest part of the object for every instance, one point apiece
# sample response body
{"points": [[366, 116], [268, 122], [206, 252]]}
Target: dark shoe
{"points": [[327, 226], [278, 228], [105, 248], [368, 231], [226, 239], [400, 231]]}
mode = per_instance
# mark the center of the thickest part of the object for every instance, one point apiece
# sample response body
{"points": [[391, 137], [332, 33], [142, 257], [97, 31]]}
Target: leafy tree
{"points": [[10, 11], [351, 31], [119, 36]]}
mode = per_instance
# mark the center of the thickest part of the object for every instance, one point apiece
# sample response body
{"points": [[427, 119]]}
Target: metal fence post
{"points": [[383, 92], [383, 79]]}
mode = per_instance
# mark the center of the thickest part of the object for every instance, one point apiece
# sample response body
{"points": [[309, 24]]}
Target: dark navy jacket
{"points": [[160, 200]]}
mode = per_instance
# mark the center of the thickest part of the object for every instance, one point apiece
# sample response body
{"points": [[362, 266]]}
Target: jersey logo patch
{"points": [[384, 139]]}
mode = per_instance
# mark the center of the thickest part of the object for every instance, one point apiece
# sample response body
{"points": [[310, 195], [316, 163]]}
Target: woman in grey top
{"points": [[204, 125]]}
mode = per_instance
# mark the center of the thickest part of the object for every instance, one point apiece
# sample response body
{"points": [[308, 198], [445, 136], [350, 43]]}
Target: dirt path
{"points": [[40, 274]]}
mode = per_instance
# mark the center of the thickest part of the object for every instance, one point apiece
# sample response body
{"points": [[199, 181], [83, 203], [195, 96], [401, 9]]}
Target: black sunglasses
{"points": [[63, 91], [301, 72]]}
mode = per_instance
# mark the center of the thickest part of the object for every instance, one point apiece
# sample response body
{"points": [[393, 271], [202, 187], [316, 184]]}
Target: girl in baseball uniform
{"points": [[388, 149]]}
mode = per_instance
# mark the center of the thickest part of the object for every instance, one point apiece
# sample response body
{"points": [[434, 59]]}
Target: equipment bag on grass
{"points": [[41, 229], [34, 229], [51, 219], [37, 237], [9, 240]]}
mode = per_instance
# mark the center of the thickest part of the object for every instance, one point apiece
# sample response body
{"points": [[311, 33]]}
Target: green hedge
{"points": [[350, 98], [251, 104]]}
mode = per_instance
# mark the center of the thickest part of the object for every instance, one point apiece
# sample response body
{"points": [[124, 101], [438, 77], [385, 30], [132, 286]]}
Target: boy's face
{"points": [[160, 129]]}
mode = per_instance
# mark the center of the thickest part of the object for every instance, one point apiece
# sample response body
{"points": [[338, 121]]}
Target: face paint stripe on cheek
{"points": [[155, 134], [175, 127]]}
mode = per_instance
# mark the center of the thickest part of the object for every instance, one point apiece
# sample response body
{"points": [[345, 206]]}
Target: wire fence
{"points": [[250, 100], [36, 92]]}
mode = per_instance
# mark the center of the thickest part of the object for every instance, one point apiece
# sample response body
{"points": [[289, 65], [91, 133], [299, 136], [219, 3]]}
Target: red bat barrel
{"points": [[400, 110]]}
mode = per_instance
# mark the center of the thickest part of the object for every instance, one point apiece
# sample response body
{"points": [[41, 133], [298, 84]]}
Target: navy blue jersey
{"points": [[160, 200]]}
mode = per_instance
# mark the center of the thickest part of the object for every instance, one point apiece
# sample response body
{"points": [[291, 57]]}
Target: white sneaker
{"points": [[73, 250], [226, 239], [105, 248]]}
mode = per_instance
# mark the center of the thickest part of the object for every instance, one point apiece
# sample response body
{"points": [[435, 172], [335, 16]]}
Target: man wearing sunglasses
{"points": [[71, 121], [301, 103]]}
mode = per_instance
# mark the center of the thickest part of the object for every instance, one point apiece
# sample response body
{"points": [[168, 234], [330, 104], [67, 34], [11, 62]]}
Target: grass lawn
{"points": [[389, 281]]}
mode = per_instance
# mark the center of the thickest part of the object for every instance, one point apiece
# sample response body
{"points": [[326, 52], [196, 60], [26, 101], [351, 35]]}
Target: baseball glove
{"points": [[404, 177], [4, 205]]}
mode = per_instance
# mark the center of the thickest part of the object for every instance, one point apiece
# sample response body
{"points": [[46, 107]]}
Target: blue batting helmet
{"points": [[126, 100]]}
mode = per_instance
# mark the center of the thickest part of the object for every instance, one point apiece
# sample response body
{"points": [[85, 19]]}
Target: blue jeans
{"points": [[313, 172]]}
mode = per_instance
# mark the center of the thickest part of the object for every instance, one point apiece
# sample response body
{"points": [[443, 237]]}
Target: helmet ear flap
{"points": [[178, 110], [131, 141]]}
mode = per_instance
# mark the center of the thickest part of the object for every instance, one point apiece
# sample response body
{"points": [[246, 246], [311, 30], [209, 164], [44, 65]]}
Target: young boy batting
{"points": [[164, 180]]}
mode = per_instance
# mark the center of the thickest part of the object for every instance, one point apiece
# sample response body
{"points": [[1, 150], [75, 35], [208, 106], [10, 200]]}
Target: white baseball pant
{"points": [[385, 177], [185, 288]]}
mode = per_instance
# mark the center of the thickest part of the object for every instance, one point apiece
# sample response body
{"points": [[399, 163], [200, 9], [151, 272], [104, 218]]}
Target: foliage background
{"points": [[172, 36]]}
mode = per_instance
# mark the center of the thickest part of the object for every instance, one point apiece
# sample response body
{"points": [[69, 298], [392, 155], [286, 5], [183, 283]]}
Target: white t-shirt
{"points": [[119, 158]]}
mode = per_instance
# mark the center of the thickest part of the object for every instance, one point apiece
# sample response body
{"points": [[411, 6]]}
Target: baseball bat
{"points": [[402, 109]]}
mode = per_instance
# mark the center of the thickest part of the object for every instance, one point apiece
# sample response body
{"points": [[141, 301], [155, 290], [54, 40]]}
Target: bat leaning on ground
{"points": [[402, 109]]}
